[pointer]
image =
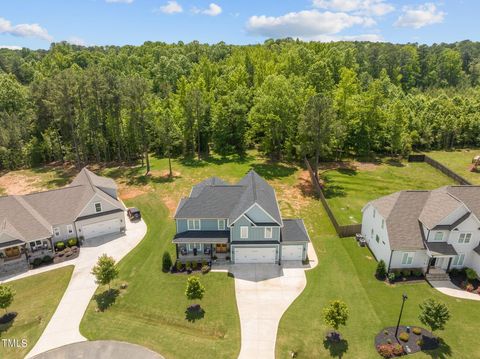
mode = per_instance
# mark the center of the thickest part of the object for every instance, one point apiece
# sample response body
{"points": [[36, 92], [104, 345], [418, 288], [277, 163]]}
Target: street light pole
{"points": [[404, 298]]}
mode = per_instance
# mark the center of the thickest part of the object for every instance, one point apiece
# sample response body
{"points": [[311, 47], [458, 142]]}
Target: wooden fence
{"points": [[342, 231], [444, 169]]}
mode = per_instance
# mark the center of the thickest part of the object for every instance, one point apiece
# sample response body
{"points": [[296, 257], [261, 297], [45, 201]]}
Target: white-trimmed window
{"points": [[98, 207], [383, 223], [407, 258], [36, 245], [56, 232], [268, 232], [374, 212], [458, 260], [69, 229], [221, 224], [244, 232], [377, 238], [193, 224], [464, 238], [371, 233], [438, 236]]}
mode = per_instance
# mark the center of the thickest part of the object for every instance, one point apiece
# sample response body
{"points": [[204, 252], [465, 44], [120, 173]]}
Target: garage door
{"points": [[292, 253], [101, 228], [255, 255]]}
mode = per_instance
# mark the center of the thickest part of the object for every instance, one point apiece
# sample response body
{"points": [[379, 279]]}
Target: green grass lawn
{"points": [[459, 161], [349, 189], [36, 299]]}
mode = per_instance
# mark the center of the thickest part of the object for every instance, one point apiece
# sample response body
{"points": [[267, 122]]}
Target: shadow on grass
{"points": [[62, 176], [6, 321], [272, 170], [444, 351], [336, 348], [395, 162], [193, 161], [194, 312], [106, 299]]}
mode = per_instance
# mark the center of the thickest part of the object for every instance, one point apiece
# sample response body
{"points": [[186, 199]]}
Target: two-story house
{"points": [[31, 224], [240, 222], [426, 230]]}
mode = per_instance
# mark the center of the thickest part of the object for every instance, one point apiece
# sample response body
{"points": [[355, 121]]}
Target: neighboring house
{"points": [[434, 231], [31, 224], [240, 222]]}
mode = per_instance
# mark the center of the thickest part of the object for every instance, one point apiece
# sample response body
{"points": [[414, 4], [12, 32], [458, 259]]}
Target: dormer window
{"points": [[98, 207], [438, 236]]}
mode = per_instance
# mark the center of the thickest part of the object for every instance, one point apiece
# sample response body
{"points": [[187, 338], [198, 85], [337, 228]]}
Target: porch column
{"points": [[449, 263], [428, 267]]}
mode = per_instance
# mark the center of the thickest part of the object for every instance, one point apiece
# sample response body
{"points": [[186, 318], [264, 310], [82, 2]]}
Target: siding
{"points": [[254, 233], [258, 215], [90, 208], [380, 250], [205, 225]]}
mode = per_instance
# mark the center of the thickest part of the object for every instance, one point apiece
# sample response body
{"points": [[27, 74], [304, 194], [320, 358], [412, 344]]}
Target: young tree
{"points": [[434, 314], [166, 261], [335, 314], [6, 296], [105, 270], [195, 289], [381, 270], [169, 136]]}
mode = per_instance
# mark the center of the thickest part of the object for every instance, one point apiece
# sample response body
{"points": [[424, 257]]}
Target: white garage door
{"points": [[292, 253], [101, 228], [255, 255]]}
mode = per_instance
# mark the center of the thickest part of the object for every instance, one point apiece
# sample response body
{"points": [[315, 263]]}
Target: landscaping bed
{"points": [[405, 276], [410, 340], [191, 267], [460, 279]]}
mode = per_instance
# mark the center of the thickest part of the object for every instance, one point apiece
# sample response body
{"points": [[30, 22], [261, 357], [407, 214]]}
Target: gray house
{"points": [[30, 225], [241, 223]]}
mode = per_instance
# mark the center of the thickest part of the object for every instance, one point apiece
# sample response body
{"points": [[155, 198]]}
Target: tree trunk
{"points": [[315, 163], [147, 161], [170, 173]]}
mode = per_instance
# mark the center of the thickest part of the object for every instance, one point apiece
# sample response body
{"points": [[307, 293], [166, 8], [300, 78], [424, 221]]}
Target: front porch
{"points": [[200, 246], [440, 260], [13, 257]]}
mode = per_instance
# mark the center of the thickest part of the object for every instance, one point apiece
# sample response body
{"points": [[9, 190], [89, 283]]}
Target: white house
{"points": [[425, 229]]}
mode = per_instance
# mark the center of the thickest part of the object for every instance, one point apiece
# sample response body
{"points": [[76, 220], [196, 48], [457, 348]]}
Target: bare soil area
{"points": [[14, 183]]}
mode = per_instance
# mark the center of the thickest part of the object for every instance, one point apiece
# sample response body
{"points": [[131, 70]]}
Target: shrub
{"points": [[390, 350], [381, 270], [385, 332], [398, 274], [166, 261], [37, 262], [406, 272], [391, 277], [404, 337], [417, 331], [454, 271], [194, 265], [417, 273], [60, 245], [188, 265], [389, 341], [205, 269], [72, 242], [204, 263], [469, 287], [420, 343], [47, 259], [179, 266], [398, 350], [471, 274]]}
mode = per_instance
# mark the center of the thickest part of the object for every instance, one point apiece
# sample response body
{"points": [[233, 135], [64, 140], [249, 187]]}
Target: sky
{"points": [[37, 23]]}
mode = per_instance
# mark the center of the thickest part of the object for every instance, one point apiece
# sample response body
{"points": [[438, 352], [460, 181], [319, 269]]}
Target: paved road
{"points": [[63, 328], [102, 349]]}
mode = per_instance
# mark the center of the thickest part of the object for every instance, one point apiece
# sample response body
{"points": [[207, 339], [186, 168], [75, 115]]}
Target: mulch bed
{"points": [[423, 341], [63, 256], [459, 278]]}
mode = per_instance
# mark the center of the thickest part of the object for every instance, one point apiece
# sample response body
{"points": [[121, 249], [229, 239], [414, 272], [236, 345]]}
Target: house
{"points": [[434, 231], [31, 225], [240, 222]]}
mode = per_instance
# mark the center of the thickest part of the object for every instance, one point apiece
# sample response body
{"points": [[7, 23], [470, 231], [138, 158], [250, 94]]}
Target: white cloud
{"points": [[366, 7], [333, 38], [420, 16], [74, 40], [212, 10], [24, 30], [10, 47], [172, 7], [119, 1], [307, 24]]}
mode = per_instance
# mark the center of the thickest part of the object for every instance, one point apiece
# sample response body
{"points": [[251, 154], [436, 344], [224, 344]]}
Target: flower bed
{"points": [[410, 340], [190, 267], [459, 278], [405, 275]]}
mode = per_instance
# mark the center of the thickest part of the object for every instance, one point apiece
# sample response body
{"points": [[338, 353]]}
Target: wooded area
{"points": [[288, 98]]}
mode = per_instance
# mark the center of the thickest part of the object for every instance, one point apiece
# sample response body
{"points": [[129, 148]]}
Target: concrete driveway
{"points": [[264, 292], [63, 328]]}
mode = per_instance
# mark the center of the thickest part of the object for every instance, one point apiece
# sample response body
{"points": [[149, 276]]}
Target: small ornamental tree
{"points": [[6, 296], [471, 274], [166, 261], [335, 314], [381, 271], [195, 289], [434, 314], [105, 270]]}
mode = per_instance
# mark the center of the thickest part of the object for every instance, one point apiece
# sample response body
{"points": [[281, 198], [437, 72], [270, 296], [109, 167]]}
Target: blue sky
{"points": [[35, 23]]}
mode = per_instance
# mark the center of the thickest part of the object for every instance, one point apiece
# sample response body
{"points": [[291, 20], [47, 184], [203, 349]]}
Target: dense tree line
{"points": [[288, 98]]}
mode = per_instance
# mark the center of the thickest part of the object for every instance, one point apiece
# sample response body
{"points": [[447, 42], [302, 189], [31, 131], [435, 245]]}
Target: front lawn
{"points": [[36, 300], [459, 161], [349, 187]]}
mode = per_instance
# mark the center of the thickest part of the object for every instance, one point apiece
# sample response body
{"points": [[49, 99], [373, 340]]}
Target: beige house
{"points": [[30, 225]]}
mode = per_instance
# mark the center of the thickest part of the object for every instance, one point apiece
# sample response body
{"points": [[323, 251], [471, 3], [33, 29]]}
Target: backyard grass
{"points": [[36, 299], [459, 161], [349, 188]]}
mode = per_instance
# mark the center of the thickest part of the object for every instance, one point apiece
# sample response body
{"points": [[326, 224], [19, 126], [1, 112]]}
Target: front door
{"points": [[221, 248]]}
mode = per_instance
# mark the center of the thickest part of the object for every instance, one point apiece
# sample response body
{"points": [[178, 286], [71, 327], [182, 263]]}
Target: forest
{"points": [[286, 98]]}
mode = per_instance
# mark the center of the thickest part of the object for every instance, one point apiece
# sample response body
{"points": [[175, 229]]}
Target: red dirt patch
{"points": [[18, 184], [365, 166], [131, 192], [164, 173]]}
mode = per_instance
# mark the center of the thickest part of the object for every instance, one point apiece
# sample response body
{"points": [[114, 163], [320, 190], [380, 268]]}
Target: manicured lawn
{"points": [[346, 272], [348, 189], [36, 299], [459, 161]]}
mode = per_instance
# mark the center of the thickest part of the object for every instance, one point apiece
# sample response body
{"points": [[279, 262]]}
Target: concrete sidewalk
{"points": [[450, 289], [63, 327]]}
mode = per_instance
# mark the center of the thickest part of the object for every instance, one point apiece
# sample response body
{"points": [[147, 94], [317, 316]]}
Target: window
{"points": [[70, 229], [243, 232], [383, 223], [98, 207], [193, 224], [374, 212], [407, 258], [464, 238], [221, 224], [56, 232], [458, 260], [35, 245], [371, 233], [268, 232], [438, 236], [377, 238]]}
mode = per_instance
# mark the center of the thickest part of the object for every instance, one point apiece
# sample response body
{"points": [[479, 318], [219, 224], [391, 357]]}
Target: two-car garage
{"points": [[101, 228], [255, 254]]}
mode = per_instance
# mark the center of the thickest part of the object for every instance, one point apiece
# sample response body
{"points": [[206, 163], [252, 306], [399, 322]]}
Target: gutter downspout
{"points": [[429, 259], [390, 261]]}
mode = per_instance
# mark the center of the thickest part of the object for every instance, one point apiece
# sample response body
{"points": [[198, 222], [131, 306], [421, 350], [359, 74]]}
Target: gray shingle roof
{"points": [[469, 195], [202, 237], [294, 231], [212, 181], [441, 248]]}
